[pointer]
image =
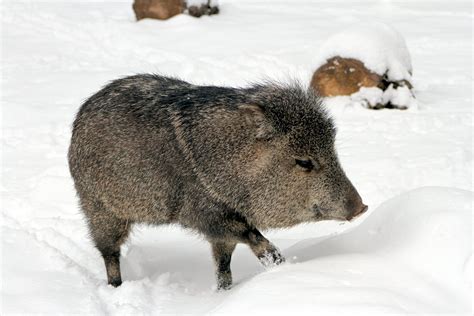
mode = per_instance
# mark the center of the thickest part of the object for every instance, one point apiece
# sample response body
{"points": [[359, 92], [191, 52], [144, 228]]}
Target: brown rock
{"points": [[157, 9], [343, 76]]}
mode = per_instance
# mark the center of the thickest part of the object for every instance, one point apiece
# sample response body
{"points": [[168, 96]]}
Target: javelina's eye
{"points": [[305, 164]]}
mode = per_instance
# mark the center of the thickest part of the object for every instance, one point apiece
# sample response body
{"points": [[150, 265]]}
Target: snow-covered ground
{"points": [[411, 253]]}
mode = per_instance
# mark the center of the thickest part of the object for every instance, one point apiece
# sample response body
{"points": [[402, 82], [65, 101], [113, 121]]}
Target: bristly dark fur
{"points": [[224, 162]]}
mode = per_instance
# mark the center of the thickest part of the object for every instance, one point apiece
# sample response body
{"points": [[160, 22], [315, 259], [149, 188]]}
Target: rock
{"points": [[343, 76], [205, 8], [157, 9]]}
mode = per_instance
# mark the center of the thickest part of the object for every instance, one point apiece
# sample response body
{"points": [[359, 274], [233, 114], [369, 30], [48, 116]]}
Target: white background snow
{"points": [[412, 253]]}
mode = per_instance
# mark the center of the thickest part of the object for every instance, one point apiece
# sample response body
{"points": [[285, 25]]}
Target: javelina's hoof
{"points": [[224, 280], [115, 282], [271, 257], [224, 283]]}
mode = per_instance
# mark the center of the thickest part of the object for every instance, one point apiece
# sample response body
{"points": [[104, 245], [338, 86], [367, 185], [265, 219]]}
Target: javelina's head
{"points": [[273, 156]]}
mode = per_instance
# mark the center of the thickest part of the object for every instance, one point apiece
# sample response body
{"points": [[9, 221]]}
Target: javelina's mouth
{"points": [[320, 212], [317, 211], [325, 214]]}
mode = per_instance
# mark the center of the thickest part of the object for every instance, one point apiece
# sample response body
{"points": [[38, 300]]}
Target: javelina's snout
{"points": [[355, 206], [363, 208]]}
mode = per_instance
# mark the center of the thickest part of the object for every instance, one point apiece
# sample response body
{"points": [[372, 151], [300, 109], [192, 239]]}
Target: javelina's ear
{"points": [[255, 116]]}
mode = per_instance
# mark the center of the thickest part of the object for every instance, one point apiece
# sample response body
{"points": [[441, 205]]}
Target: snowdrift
{"points": [[410, 255]]}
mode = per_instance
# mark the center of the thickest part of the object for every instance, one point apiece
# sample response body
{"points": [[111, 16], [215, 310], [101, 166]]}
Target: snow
{"points": [[371, 97], [379, 46], [411, 253], [399, 97], [198, 3]]}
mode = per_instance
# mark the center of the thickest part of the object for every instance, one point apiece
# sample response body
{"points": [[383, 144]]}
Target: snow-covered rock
{"points": [[386, 65], [379, 46]]}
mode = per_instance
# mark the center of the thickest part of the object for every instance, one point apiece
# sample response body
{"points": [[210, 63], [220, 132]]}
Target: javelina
{"points": [[224, 162]]}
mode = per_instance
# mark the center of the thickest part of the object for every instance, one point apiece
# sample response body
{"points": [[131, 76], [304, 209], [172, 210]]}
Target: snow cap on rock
{"points": [[379, 46]]}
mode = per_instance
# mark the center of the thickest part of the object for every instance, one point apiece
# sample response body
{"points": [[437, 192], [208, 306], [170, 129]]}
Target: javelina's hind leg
{"points": [[109, 233], [222, 252], [265, 251]]}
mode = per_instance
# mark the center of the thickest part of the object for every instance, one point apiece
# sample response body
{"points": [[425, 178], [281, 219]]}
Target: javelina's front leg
{"points": [[265, 251], [224, 230], [222, 251]]}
